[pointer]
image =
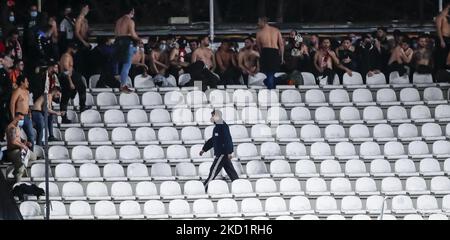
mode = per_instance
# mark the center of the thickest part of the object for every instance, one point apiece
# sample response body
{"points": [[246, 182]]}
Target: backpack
{"points": [[296, 78]]}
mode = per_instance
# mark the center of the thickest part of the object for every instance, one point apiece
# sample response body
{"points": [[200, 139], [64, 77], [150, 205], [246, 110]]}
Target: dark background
{"points": [[157, 12]]}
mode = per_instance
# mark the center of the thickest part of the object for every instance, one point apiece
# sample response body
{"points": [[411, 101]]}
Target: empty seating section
{"points": [[307, 152]]}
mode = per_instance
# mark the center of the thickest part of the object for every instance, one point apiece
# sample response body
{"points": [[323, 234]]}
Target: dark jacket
{"points": [[221, 140]]}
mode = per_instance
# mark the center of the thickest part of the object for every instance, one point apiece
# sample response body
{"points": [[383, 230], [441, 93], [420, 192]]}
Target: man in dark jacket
{"points": [[223, 148]]}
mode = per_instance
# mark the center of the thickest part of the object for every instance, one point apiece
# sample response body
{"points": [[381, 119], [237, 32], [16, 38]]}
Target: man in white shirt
{"points": [[66, 28]]}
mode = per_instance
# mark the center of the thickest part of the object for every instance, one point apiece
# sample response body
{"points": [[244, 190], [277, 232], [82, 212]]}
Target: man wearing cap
{"points": [[223, 148]]}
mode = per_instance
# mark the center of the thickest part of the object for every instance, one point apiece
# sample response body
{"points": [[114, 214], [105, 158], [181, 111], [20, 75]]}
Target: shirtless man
{"points": [[158, 60], [423, 56], [203, 64], [325, 59], [443, 31], [138, 65], [20, 100], [346, 55], [193, 45], [177, 58], [82, 26], [71, 82], [39, 117], [15, 146], [82, 38], [248, 60], [227, 64], [401, 56], [204, 54], [126, 41], [270, 44]]}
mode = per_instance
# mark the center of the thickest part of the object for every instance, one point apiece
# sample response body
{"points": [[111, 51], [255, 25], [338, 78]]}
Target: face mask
{"points": [[1, 66], [214, 119], [57, 100], [21, 123], [162, 47], [12, 18], [34, 14]]}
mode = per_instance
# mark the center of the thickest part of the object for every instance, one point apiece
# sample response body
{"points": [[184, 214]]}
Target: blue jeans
{"points": [[126, 65], [270, 81], [39, 121], [28, 128]]}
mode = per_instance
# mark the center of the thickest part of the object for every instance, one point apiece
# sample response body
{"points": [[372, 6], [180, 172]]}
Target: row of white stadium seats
{"points": [[249, 151], [289, 98], [249, 207], [259, 133], [264, 187], [308, 79], [254, 115], [255, 168]]}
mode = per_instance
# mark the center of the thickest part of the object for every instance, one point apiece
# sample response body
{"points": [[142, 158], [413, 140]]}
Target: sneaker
{"points": [[82, 109], [66, 121], [125, 89]]}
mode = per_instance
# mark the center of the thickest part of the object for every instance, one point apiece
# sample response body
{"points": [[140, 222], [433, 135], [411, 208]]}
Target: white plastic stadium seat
{"points": [[141, 82], [151, 100], [355, 79], [129, 101], [291, 98], [138, 118], [301, 115], [362, 97]]}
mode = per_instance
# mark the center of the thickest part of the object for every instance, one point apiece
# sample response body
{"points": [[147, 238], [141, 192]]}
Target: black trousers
{"points": [[5, 119], [82, 61], [400, 68], [198, 71], [107, 80], [441, 54], [220, 162], [230, 76], [68, 93]]}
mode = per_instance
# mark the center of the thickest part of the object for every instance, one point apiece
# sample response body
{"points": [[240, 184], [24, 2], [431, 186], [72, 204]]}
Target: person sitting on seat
{"points": [[18, 150], [159, 64], [193, 45], [346, 55], [20, 100], [325, 59], [248, 60], [401, 57], [370, 57], [203, 64], [423, 56]]}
